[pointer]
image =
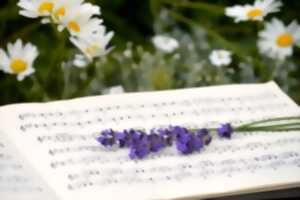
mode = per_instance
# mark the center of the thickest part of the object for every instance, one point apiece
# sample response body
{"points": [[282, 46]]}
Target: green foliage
{"points": [[199, 26]]}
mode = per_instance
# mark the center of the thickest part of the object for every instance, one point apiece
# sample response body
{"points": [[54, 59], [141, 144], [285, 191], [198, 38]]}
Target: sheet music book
{"points": [[48, 150]]}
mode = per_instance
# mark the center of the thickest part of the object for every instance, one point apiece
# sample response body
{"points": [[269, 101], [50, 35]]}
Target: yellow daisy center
{"points": [[74, 26], [18, 66], [256, 12], [92, 49], [46, 7], [285, 40], [60, 12]]}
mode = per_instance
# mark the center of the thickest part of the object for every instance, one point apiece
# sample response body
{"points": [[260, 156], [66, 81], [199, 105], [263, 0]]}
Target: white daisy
{"points": [[63, 8], [165, 43], [258, 11], [19, 59], [114, 90], [36, 8], [127, 53], [277, 40], [94, 45], [78, 20], [220, 57], [80, 61]]}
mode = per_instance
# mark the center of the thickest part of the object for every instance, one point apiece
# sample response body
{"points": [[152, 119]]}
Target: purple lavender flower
{"points": [[197, 142], [107, 138], [136, 134], [205, 135], [122, 137], [184, 142], [167, 135], [142, 144], [178, 131], [225, 130], [140, 149], [184, 148], [127, 138], [157, 142]]}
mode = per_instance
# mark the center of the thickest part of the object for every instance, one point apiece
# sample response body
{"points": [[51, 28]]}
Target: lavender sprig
{"points": [[141, 144], [187, 141]]}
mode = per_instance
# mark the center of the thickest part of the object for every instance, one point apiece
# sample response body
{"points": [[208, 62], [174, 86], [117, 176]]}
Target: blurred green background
{"points": [[199, 26]]}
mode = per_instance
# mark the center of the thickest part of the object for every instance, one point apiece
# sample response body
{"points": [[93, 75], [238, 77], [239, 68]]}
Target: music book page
{"points": [[58, 140], [17, 179]]}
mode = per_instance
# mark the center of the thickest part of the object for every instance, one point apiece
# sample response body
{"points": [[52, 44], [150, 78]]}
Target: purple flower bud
{"points": [[205, 135], [178, 131], [156, 142], [136, 134], [140, 149], [185, 143], [107, 138], [184, 148], [132, 137], [167, 135], [198, 143], [122, 137], [225, 130], [184, 136]]}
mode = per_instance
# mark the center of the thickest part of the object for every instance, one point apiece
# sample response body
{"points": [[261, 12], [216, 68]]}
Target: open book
{"points": [[48, 150]]}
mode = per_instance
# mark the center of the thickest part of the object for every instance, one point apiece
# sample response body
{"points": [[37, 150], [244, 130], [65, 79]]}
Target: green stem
{"points": [[56, 63], [83, 88], [269, 130], [67, 72], [267, 120], [214, 130], [213, 8], [273, 127], [155, 7], [39, 87]]}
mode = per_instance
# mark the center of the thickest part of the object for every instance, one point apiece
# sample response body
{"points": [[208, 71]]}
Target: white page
{"points": [[17, 180], [58, 140]]}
